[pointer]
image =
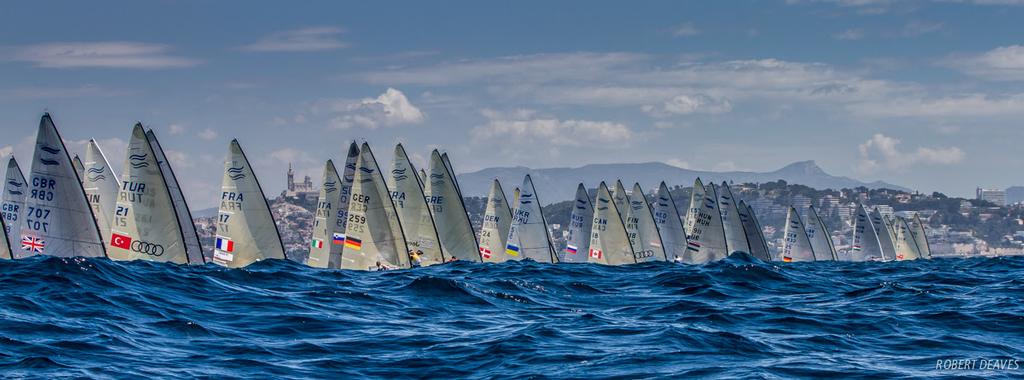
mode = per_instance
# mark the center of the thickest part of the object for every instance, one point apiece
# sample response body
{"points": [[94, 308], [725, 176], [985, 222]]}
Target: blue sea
{"points": [[739, 318]]}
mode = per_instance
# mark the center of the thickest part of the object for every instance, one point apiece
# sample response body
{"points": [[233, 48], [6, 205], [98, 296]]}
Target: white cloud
{"points": [[179, 160], [1002, 63], [176, 129], [115, 149], [47, 93], [883, 152], [300, 40], [292, 155], [114, 54], [690, 104], [552, 132], [516, 69], [678, 163], [389, 109], [850, 35], [686, 29], [6, 151], [959, 106], [207, 134]]}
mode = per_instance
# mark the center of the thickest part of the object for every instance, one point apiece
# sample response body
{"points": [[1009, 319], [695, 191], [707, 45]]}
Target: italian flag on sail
{"points": [[317, 243]]}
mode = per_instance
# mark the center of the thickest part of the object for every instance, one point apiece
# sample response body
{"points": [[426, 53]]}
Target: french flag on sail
{"points": [[225, 244]]}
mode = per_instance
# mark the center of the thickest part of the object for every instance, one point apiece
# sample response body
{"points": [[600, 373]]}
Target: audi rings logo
{"points": [[147, 248]]}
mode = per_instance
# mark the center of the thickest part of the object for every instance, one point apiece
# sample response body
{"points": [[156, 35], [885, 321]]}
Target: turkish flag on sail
{"points": [[121, 241]]}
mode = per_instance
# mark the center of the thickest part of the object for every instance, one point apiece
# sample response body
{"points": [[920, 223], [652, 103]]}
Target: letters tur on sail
{"points": [[144, 225], [609, 242], [193, 248], [56, 219], [494, 229], [581, 220], [417, 222], [528, 236], [246, 232], [373, 235]]}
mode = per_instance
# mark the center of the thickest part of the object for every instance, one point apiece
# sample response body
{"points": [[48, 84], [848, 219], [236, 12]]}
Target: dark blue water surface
{"points": [[736, 318]]}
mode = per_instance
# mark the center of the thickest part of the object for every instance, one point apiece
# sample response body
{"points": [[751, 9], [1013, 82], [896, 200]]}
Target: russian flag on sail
{"points": [[571, 249], [225, 244]]}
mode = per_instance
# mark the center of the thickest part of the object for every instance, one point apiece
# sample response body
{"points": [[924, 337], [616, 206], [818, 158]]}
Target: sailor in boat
{"points": [[414, 258]]}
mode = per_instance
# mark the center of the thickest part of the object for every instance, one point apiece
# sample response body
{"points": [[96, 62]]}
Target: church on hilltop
{"points": [[302, 194]]}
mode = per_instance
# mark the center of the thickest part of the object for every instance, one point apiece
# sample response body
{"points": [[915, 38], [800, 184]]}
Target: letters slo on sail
{"points": [[413, 212], [528, 236], [705, 233], [821, 241], [495, 227], [101, 186], [328, 238], [581, 220], [453, 226], [735, 239], [646, 242], [193, 248], [373, 235], [145, 225], [609, 242], [56, 218], [15, 190], [670, 224], [751, 227], [796, 247], [246, 232], [865, 245]]}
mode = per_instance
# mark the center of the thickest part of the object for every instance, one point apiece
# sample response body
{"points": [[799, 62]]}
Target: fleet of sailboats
{"points": [[368, 219]]}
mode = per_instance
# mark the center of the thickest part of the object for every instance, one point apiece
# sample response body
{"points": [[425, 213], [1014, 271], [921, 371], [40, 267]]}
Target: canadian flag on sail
{"points": [[595, 253]]}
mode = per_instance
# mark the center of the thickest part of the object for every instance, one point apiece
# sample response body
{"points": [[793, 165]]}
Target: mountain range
{"points": [[558, 184]]}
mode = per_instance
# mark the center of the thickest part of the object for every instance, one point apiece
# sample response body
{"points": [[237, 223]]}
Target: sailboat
{"points": [[5, 244], [704, 231], [906, 246], [885, 237], [609, 241], [494, 230], [865, 245], [417, 221], [735, 239], [246, 232], [326, 241], [101, 186], [647, 242], [581, 220], [796, 246], [669, 223], [79, 167], [15, 190], [917, 229], [449, 212], [145, 225], [621, 200], [528, 236], [56, 219], [451, 172], [193, 248], [821, 241], [373, 235], [752, 229]]}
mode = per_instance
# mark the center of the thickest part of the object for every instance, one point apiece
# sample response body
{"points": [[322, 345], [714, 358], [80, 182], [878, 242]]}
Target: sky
{"points": [[923, 94]]}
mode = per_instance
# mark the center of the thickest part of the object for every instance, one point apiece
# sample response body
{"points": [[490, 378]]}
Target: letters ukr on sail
{"points": [[821, 241], [494, 229], [453, 226], [705, 234], [417, 222], [670, 224], [56, 219], [373, 235], [144, 225], [581, 220], [647, 243], [735, 239], [796, 245], [528, 236], [15, 191], [101, 186], [193, 248], [246, 232], [326, 240], [865, 245], [906, 247], [609, 242], [758, 246]]}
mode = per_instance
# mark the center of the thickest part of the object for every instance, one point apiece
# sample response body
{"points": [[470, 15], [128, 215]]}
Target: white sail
{"points": [[621, 200], [751, 228], [246, 232], [528, 236], [373, 235], [451, 172], [670, 224], [101, 186], [906, 247], [5, 244], [796, 246], [79, 167], [647, 244], [348, 174], [704, 231], [494, 230], [821, 240], [864, 245], [417, 222], [326, 240], [450, 217], [581, 220], [15, 191], [144, 225], [917, 229], [193, 248], [609, 241], [735, 239], [885, 238], [56, 219]]}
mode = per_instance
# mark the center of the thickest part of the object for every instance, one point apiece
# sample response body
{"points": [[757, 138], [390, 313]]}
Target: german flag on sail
{"points": [[354, 243], [787, 259]]}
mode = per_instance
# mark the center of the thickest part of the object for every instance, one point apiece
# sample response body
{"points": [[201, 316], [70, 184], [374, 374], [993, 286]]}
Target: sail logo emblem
{"points": [[399, 174], [350, 166], [49, 149], [138, 161], [436, 176], [330, 187], [48, 162], [15, 184], [152, 249], [236, 173], [365, 170], [32, 244]]}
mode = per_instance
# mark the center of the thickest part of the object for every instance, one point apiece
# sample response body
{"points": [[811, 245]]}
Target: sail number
{"points": [[43, 188], [35, 219]]}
